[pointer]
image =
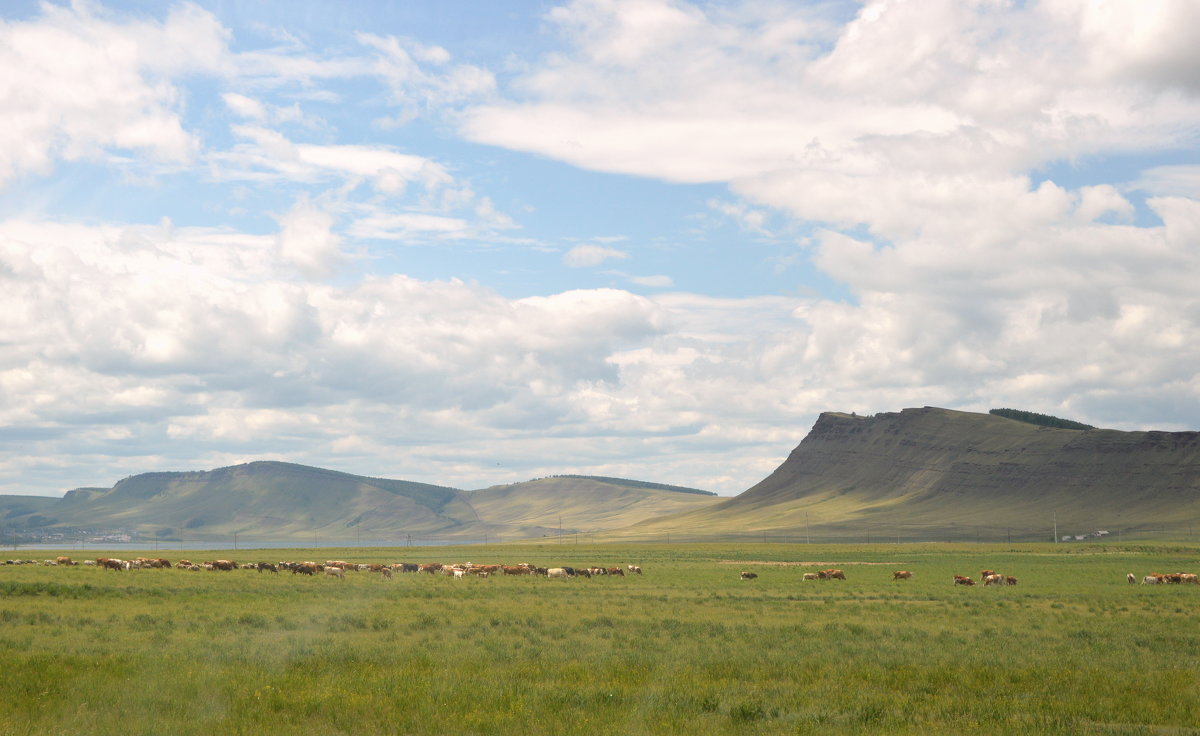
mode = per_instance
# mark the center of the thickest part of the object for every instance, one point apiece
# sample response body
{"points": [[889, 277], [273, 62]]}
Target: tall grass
{"points": [[685, 648]]}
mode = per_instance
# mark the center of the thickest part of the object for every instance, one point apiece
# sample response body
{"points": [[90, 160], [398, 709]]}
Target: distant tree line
{"points": [[1042, 420], [637, 484]]}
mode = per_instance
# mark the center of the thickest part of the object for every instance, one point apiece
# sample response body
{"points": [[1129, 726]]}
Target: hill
{"points": [[274, 501], [935, 472], [582, 503]]}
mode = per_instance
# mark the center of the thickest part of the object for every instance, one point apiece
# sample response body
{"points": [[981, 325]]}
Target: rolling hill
{"points": [[582, 503], [274, 501], [939, 473]]}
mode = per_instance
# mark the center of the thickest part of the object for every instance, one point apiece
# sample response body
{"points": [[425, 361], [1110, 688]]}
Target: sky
{"points": [[480, 242]]}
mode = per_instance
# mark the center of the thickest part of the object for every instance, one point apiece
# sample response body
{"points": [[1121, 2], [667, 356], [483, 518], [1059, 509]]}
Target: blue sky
{"points": [[642, 238]]}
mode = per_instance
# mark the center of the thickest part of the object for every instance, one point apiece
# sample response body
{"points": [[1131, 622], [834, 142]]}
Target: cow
{"points": [[64, 561], [335, 571], [963, 580], [616, 571], [430, 567], [1130, 578], [224, 565], [748, 575], [810, 576], [837, 575], [983, 574], [1188, 577], [1010, 580], [385, 572], [557, 572], [901, 575], [1152, 580], [635, 569], [993, 579], [515, 570], [267, 566], [305, 568], [109, 563]]}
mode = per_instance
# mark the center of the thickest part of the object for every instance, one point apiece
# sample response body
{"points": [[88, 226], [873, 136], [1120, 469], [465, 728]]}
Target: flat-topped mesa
{"points": [[922, 460]]}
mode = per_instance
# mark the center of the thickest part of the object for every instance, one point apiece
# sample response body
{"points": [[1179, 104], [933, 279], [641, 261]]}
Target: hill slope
{"points": [[940, 468], [273, 501], [581, 503], [270, 499]]}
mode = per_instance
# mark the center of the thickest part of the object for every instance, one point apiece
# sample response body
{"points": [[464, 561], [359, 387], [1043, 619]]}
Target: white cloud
{"points": [[76, 85], [585, 256], [306, 240], [658, 282]]}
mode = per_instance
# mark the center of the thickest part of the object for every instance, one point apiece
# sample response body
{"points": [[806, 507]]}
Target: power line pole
{"points": [[1055, 516]]}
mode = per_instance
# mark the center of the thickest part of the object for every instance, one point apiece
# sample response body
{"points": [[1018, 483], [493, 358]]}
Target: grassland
{"points": [[685, 648]]}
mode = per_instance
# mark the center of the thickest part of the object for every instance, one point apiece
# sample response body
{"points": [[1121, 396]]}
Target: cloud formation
{"points": [[942, 163]]}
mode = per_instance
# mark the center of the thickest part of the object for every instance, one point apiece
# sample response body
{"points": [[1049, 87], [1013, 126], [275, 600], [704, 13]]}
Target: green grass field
{"points": [[686, 648]]}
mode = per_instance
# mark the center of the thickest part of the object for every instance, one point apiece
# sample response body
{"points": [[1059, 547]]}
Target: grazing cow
{"points": [[64, 561], [305, 568], [901, 575], [109, 563], [616, 571], [1131, 578], [430, 567], [385, 572], [963, 580], [635, 569], [515, 570], [458, 572], [810, 576], [984, 573], [837, 575], [1010, 580], [335, 571], [557, 572], [993, 579], [267, 566], [1187, 577], [1152, 580], [749, 575], [224, 565]]}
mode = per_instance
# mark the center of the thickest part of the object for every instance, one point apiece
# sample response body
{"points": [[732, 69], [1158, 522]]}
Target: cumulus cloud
{"points": [[306, 239], [75, 84]]}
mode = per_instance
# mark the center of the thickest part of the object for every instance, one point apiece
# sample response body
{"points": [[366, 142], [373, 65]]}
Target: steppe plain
{"points": [[687, 647]]}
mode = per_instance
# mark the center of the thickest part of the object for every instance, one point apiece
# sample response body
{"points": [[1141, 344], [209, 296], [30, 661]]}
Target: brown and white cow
{"points": [[963, 580], [902, 575]]}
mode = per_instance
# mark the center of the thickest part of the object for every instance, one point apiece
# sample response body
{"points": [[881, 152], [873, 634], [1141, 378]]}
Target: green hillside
{"points": [[581, 503], [274, 501]]}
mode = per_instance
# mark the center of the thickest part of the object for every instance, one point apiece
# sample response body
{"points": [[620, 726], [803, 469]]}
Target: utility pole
{"points": [[1055, 516]]}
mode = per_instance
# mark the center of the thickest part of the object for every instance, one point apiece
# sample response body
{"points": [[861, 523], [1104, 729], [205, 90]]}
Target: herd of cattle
{"points": [[339, 568]]}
